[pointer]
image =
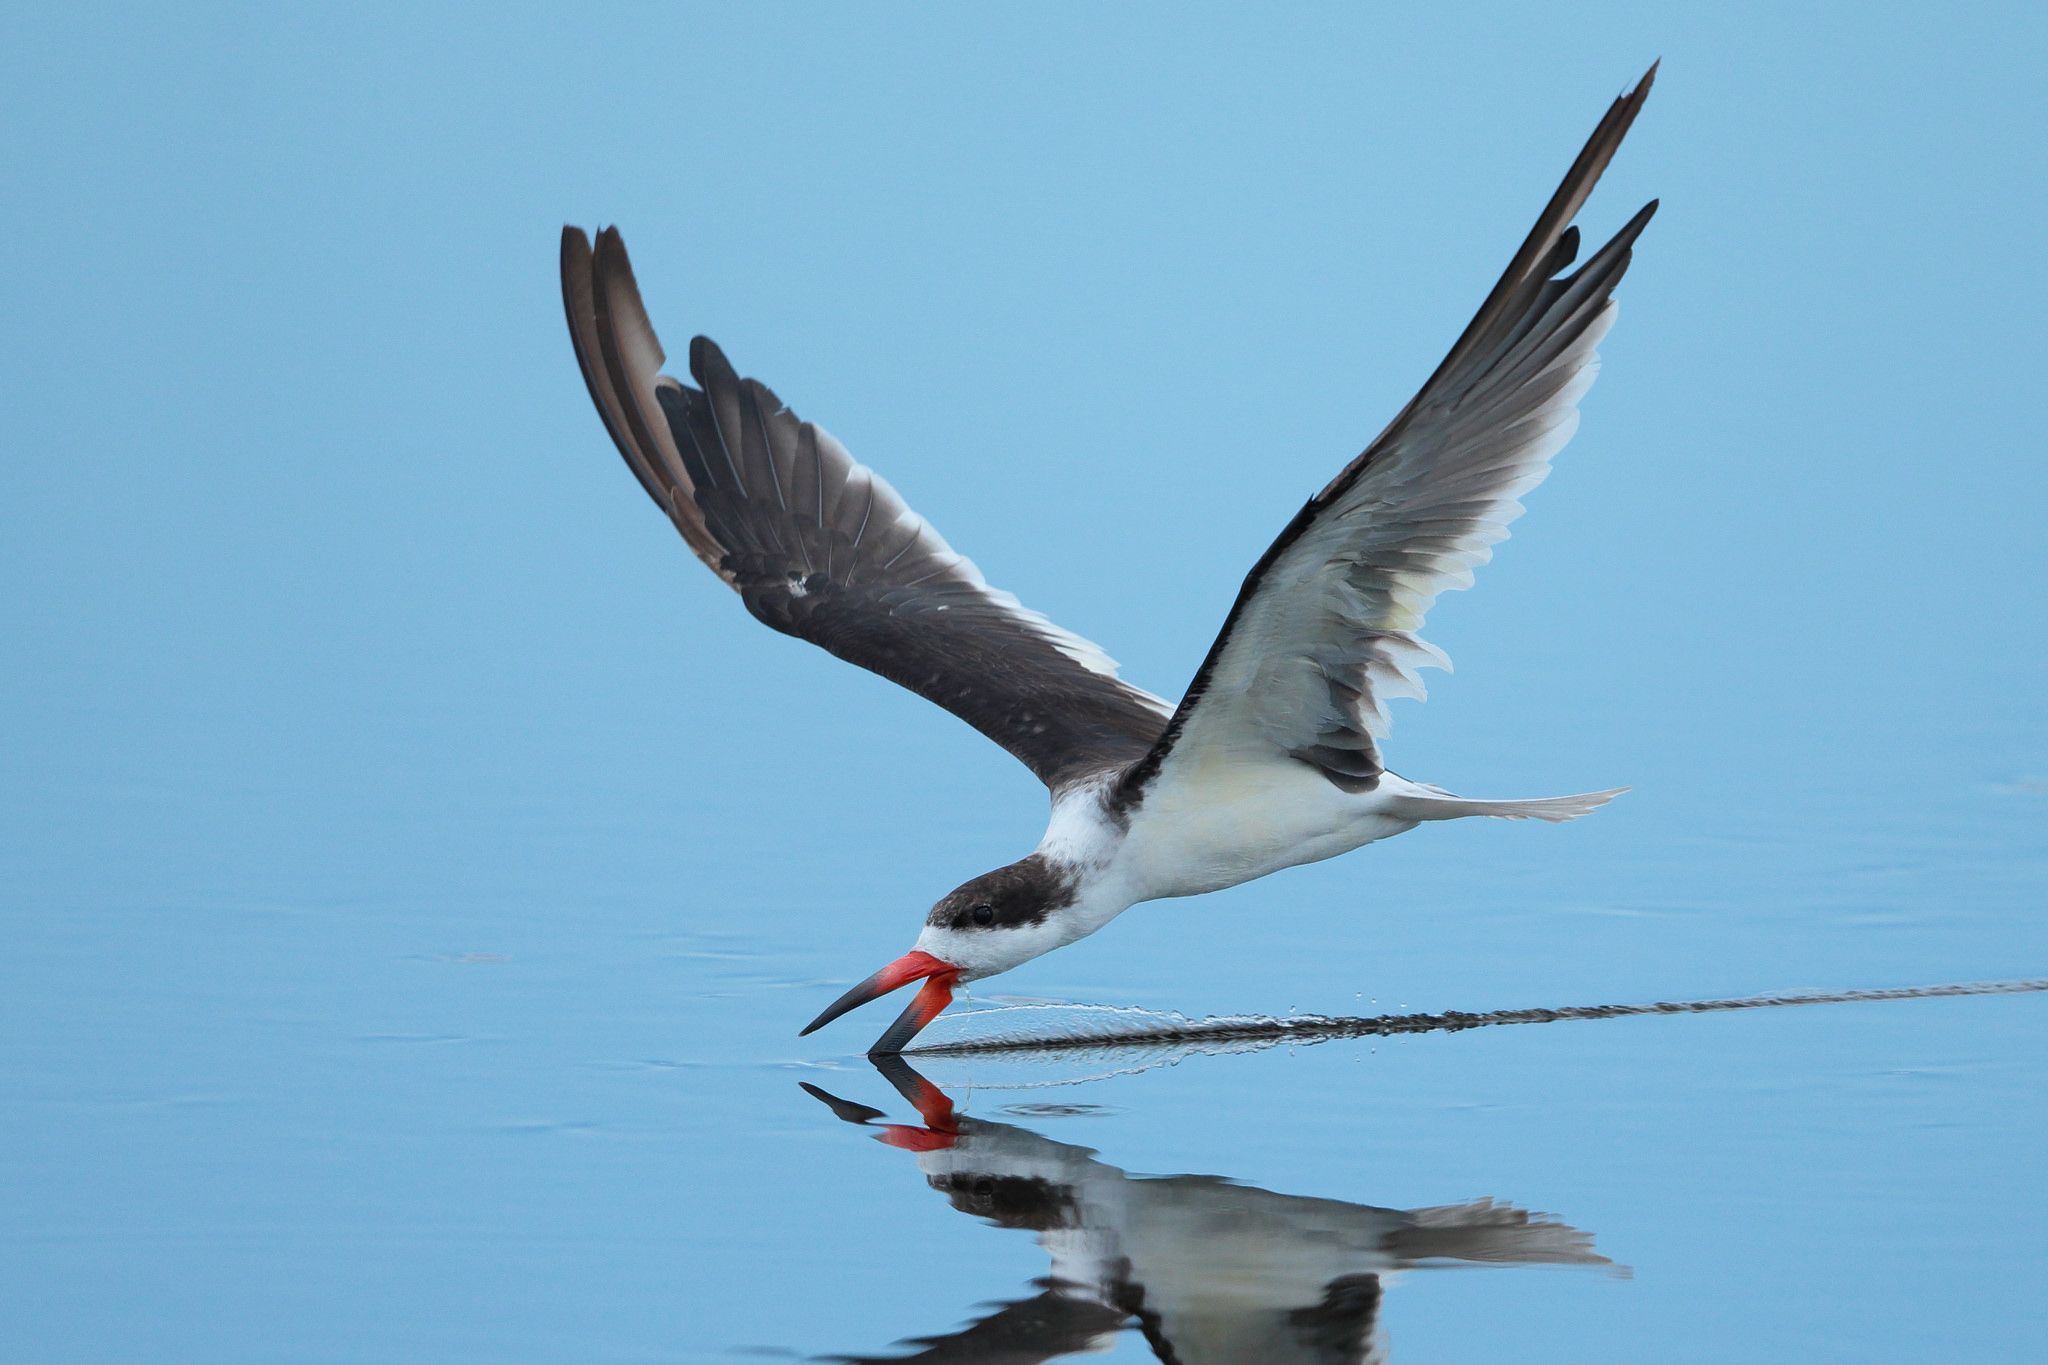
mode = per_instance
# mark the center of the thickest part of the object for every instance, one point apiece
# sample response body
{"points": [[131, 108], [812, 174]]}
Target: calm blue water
{"points": [[414, 870], [550, 1127]]}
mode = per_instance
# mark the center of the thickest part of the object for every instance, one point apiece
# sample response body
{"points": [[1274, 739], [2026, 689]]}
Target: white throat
{"points": [[1082, 841]]}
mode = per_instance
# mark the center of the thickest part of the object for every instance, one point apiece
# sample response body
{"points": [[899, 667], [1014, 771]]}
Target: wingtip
{"points": [[610, 263], [609, 249], [576, 278], [708, 364], [1649, 79]]}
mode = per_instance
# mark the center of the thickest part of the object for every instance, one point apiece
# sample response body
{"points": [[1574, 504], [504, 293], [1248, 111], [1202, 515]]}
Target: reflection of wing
{"points": [[1236, 1273], [1344, 1329], [1322, 633], [819, 547], [1485, 1230], [1024, 1332]]}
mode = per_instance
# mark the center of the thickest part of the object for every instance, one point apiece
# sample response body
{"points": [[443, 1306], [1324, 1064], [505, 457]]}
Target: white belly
{"points": [[1232, 821]]}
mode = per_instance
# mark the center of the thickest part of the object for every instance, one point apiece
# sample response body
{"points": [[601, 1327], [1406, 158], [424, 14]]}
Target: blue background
{"points": [[414, 867]]}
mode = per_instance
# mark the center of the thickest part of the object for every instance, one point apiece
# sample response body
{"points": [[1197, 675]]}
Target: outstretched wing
{"points": [[1060, 1322], [819, 547], [1323, 631]]}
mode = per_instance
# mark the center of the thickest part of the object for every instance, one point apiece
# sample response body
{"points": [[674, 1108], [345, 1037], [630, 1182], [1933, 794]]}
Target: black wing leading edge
{"points": [[821, 548], [1323, 630]]}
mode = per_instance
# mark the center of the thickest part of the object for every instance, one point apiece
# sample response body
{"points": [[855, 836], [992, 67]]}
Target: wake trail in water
{"points": [[1066, 1028]]}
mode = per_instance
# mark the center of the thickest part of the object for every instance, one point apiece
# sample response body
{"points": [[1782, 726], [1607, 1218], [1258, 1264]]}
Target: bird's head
{"points": [[989, 925]]}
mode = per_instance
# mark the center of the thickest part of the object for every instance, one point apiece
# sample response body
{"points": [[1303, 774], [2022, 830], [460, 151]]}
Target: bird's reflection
{"points": [[1209, 1272]]}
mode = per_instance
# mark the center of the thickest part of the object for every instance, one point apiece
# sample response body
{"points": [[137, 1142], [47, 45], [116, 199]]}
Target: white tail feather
{"points": [[1553, 808]]}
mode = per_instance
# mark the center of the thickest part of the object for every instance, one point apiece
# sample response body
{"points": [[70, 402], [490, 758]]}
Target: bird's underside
{"points": [[1272, 755]]}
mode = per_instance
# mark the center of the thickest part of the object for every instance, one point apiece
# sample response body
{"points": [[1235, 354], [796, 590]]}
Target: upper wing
{"points": [[1322, 633], [821, 548]]}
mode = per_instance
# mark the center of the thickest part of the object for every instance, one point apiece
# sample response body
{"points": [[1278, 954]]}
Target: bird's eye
{"points": [[983, 915]]}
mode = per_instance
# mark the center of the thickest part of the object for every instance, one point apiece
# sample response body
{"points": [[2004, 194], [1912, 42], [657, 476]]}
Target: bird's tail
{"points": [[1430, 805]]}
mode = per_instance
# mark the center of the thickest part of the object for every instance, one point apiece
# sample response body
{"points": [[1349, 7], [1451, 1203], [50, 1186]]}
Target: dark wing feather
{"points": [[820, 547], [1057, 1323], [1322, 632]]}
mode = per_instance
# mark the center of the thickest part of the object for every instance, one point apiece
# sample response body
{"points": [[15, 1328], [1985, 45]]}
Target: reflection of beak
{"points": [[930, 1101], [942, 1125], [936, 995]]}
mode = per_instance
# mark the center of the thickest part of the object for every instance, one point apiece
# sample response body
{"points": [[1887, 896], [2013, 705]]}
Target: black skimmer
{"points": [[1210, 1271], [1271, 757]]}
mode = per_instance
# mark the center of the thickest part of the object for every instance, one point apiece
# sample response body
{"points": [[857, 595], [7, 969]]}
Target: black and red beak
{"points": [[941, 1125], [938, 980]]}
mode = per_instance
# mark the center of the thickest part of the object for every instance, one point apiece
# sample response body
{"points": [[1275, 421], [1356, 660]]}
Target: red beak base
{"points": [[938, 980]]}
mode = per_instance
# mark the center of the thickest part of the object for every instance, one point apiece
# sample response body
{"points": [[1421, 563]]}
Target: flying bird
{"points": [[1272, 756]]}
